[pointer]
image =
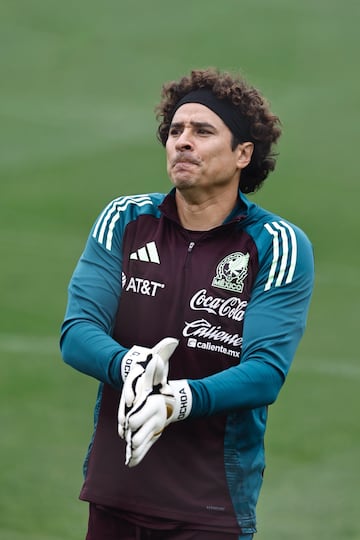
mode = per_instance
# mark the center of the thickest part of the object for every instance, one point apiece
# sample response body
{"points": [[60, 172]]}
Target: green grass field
{"points": [[79, 81]]}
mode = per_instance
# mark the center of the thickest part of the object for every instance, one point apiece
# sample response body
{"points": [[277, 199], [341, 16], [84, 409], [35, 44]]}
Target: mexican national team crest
{"points": [[231, 272]]}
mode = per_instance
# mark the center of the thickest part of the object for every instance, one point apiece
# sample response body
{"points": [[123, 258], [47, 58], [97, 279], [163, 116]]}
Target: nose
{"points": [[184, 141]]}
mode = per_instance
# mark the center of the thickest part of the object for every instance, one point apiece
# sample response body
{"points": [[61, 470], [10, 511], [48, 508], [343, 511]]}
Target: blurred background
{"points": [[79, 83]]}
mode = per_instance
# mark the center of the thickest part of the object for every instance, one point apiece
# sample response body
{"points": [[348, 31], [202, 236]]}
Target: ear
{"points": [[244, 151]]}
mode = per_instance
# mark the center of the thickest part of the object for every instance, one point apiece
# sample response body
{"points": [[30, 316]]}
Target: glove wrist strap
{"points": [[183, 399], [133, 355]]}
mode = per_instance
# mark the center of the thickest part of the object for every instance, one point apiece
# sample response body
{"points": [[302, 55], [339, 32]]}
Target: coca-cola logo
{"points": [[233, 307]]}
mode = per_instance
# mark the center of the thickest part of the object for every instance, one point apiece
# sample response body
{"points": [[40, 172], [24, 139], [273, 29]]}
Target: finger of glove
{"points": [[136, 391], [125, 410], [129, 387], [152, 412], [137, 386], [164, 349], [125, 414], [136, 441], [143, 428], [138, 454], [161, 371], [128, 450], [132, 419], [139, 383], [150, 429]]}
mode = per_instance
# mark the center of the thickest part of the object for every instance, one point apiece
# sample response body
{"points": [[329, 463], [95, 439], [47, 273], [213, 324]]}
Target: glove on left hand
{"points": [[146, 421]]}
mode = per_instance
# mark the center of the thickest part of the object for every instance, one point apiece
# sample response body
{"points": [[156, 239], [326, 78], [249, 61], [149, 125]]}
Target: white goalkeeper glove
{"points": [[147, 420], [141, 369]]}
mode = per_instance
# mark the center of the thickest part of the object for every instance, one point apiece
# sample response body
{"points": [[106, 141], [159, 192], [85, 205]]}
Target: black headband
{"points": [[229, 114]]}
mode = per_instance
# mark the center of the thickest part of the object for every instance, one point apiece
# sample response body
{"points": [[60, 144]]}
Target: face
{"points": [[199, 153]]}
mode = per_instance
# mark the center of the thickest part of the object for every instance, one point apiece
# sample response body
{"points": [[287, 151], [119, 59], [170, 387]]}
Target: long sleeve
{"points": [[273, 326], [93, 296], [94, 292]]}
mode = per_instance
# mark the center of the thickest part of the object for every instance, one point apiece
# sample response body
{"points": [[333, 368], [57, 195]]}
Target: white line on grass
{"points": [[345, 367], [12, 343]]}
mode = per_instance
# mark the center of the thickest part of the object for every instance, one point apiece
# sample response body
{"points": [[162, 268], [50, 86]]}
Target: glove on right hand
{"points": [[142, 369]]}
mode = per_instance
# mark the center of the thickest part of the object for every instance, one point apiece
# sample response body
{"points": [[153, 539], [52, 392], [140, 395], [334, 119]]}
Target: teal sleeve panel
{"points": [[273, 326], [92, 303], [94, 291]]}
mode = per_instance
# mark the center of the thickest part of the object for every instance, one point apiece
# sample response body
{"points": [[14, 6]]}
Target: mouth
{"points": [[184, 162]]}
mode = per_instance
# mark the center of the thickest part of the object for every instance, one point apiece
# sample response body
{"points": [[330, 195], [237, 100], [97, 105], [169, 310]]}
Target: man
{"points": [[197, 300]]}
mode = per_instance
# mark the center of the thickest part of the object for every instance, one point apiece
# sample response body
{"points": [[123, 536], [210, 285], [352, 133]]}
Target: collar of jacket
{"points": [[239, 213]]}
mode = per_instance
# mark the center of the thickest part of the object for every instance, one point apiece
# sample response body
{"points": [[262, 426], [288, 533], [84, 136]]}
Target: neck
{"points": [[204, 213]]}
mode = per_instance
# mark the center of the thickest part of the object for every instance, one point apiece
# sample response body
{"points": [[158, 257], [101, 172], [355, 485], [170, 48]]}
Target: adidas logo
{"points": [[148, 253]]}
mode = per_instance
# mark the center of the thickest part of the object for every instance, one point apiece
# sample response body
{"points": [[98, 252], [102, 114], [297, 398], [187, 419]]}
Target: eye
{"points": [[173, 131], [203, 131]]}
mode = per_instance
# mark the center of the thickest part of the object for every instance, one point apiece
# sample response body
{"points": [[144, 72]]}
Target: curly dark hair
{"points": [[264, 125]]}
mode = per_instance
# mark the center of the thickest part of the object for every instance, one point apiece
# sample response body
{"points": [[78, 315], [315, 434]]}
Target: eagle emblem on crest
{"points": [[232, 271]]}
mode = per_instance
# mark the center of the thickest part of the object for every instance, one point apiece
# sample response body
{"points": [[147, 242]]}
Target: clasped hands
{"points": [[149, 402]]}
